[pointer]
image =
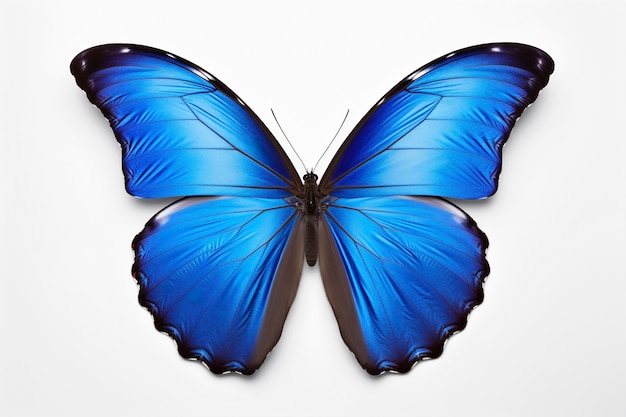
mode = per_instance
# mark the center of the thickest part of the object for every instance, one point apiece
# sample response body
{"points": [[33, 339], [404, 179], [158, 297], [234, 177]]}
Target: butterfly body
{"points": [[311, 203], [402, 267]]}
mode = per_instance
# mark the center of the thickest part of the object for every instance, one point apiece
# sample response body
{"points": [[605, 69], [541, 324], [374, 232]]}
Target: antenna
{"points": [[288, 141], [334, 137]]}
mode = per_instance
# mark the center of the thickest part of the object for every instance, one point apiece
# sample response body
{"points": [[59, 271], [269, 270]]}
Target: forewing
{"points": [[402, 274], [440, 131], [182, 131], [219, 275]]}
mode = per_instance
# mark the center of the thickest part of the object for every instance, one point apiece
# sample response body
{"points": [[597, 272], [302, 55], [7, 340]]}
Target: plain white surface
{"points": [[549, 338]]}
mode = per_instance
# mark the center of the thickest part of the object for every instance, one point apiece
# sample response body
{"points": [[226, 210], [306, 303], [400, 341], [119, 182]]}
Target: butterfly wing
{"points": [[440, 131], [182, 131], [219, 275], [403, 273]]}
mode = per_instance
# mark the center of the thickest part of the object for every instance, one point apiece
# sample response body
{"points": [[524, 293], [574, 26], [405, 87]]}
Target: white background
{"points": [[548, 340]]}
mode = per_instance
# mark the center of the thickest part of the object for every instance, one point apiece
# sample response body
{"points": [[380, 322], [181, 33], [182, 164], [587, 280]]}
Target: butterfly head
{"points": [[310, 177]]}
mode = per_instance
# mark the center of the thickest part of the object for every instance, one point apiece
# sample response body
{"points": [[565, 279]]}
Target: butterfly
{"points": [[401, 266]]}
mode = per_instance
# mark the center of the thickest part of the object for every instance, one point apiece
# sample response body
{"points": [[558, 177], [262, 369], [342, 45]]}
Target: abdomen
{"points": [[310, 239]]}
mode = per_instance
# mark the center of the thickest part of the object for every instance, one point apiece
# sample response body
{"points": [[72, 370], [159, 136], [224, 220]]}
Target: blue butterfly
{"points": [[401, 266]]}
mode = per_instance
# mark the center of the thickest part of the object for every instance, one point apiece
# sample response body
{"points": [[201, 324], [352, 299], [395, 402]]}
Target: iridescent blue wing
{"points": [[182, 131], [402, 274], [219, 275], [440, 131]]}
